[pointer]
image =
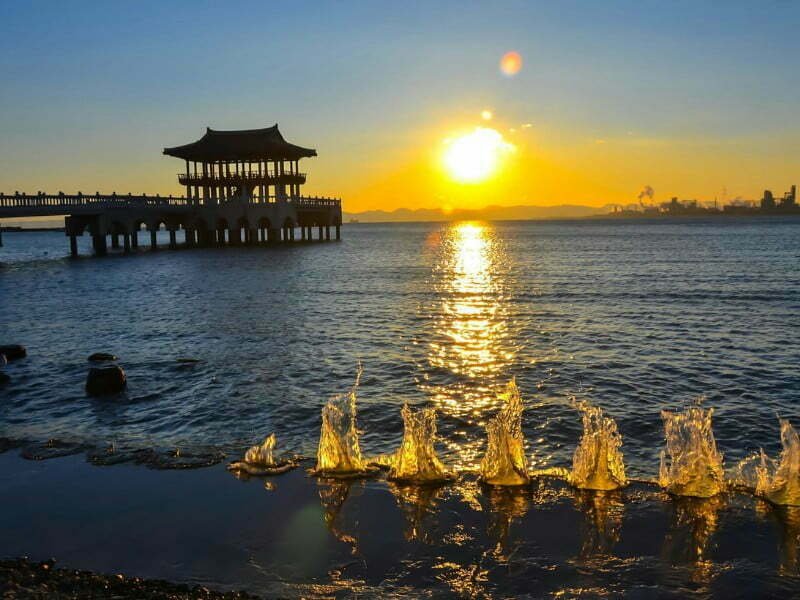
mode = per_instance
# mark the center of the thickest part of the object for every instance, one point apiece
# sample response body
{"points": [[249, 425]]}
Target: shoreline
{"points": [[299, 536], [20, 578]]}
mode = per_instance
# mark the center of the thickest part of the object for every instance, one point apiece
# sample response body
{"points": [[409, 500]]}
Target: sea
{"points": [[225, 346]]}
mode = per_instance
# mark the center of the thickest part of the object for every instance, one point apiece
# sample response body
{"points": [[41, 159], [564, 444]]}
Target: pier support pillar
{"points": [[99, 245], [135, 238], [1, 236], [327, 233], [73, 246], [320, 232], [173, 239], [189, 237], [338, 232], [115, 240], [126, 242], [153, 239], [273, 235], [253, 237], [291, 233]]}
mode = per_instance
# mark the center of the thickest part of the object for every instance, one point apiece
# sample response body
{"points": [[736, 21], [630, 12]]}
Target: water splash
{"points": [[339, 454], [775, 480], [504, 462], [597, 463], [259, 460], [262, 454], [415, 460], [691, 465]]}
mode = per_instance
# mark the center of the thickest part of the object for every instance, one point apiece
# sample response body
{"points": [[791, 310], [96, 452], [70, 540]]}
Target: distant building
{"points": [[789, 199], [768, 201], [788, 203]]}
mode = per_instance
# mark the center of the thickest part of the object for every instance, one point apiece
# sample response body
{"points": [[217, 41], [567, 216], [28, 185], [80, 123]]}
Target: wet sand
{"points": [[307, 537]]}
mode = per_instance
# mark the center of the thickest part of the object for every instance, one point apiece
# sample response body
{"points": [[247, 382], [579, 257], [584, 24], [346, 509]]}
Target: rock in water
{"points": [[102, 357], [3, 361], [105, 381], [13, 351]]}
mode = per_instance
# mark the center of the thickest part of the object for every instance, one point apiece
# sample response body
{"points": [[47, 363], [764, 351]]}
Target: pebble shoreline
{"points": [[22, 578]]}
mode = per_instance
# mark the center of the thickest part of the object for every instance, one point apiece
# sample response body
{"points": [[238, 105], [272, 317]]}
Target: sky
{"points": [[695, 99]]}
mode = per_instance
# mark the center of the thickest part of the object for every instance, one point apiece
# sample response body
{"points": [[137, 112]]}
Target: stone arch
{"points": [[201, 233], [241, 231]]}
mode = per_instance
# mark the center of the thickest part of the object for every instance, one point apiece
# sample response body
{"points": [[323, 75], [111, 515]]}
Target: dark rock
{"points": [[13, 351], [102, 357], [4, 378], [105, 381], [22, 578], [52, 449]]}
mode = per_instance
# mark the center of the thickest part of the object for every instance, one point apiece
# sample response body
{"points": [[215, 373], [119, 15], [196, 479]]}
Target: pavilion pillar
{"points": [[73, 246], [153, 239], [173, 239], [338, 232], [99, 245], [115, 240], [126, 242]]}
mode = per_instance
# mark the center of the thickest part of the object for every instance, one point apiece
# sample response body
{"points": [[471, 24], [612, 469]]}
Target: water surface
{"points": [[634, 317]]}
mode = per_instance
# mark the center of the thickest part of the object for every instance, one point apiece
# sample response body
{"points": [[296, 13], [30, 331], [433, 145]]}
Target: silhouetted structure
{"points": [[681, 208], [243, 187]]}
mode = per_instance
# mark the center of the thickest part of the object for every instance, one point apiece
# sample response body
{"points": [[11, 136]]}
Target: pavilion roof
{"points": [[242, 144]]}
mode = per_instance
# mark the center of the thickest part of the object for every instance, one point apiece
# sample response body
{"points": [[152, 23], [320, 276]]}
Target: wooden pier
{"points": [[243, 188]]}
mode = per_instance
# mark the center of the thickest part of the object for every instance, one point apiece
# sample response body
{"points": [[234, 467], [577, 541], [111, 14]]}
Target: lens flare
{"points": [[475, 156], [486, 115], [511, 63]]}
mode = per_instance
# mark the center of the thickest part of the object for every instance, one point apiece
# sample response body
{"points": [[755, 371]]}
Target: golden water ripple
{"points": [[470, 347]]}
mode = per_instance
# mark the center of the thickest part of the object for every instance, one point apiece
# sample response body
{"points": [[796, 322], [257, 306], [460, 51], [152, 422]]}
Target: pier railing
{"points": [[98, 200], [42, 204]]}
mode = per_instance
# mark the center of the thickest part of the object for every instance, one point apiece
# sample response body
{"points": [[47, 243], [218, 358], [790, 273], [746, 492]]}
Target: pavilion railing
{"points": [[216, 178]]}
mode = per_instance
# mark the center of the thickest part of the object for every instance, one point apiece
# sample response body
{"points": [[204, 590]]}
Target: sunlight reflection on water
{"points": [[471, 347]]}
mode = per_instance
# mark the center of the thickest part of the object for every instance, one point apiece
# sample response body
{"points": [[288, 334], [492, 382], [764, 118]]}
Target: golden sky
{"points": [[617, 98]]}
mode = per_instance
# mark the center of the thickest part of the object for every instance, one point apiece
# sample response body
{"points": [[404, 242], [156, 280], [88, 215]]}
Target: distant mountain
{"points": [[489, 213]]}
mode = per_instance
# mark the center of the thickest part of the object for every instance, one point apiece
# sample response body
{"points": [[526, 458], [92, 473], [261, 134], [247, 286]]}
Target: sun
{"points": [[474, 157]]}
